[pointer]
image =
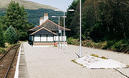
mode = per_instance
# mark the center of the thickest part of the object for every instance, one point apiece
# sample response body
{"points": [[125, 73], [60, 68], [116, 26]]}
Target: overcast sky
{"points": [[60, 4]]}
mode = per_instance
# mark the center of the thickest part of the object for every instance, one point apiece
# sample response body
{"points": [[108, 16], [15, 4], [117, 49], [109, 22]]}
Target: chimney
{"points": [[43, 19]]}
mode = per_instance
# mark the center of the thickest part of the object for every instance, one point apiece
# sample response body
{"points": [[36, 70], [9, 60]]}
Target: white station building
{"points": [[47, 33]]}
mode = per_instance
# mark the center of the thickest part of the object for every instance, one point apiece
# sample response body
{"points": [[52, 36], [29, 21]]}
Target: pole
{"points": [[64, 28], [58, 31], [80, 55]]}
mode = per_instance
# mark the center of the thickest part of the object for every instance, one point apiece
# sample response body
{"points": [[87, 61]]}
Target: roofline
{"points": [[59, 25], [53, 23], [45, 29], [38, 26]]}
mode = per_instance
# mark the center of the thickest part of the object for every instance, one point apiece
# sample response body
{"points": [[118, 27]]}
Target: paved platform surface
{"points": [[53, 62]]}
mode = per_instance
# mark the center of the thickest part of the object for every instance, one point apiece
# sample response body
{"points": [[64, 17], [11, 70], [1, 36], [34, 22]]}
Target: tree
{"points": [[102, 20], [16, 16], [114, 16], [72, 21], [1, 37], [11, 35]]}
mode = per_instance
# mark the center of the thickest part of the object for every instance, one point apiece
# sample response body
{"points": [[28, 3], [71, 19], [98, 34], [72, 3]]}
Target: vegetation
{"points": [[104, 24], [11, 35], [34, 15], [13, 26], [103, 57], [95, 55], [2, 50], [16, 17], [73, 41], [74, 61], [1, 37], [26, 3]]}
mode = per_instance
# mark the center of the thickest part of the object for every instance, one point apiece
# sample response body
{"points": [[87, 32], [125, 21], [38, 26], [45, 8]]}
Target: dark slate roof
{"points": [[43, 31], [50, 25]]}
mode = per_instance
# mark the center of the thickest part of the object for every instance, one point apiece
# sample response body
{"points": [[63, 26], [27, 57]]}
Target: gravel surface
{"points": [[53, 62]]}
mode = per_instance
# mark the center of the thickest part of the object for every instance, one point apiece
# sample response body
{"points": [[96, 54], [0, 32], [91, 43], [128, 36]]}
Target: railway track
{"points": [[6, 62]]}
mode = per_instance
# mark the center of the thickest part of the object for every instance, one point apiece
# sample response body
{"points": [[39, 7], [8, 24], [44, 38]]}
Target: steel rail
{"points": [[16, 47], [7, 52], [6, 74]]}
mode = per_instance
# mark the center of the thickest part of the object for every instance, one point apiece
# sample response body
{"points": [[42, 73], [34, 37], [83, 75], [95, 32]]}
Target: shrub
{"points": [[90, 43], [109, 44], [2, 50], [1, 38], [73, 41], [101, 44], [11, 35], [120, 45], [22, 35]]}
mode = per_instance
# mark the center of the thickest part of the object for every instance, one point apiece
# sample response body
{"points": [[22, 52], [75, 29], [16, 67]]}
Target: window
{"points": [[37, 38], [50, 38], [43, 38]]}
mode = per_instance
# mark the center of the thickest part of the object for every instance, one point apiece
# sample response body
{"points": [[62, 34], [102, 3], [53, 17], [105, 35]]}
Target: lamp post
{"points": [[80, 54], [64, 29], [58, 27], [70, 10], [80, 48], [64, 34]]}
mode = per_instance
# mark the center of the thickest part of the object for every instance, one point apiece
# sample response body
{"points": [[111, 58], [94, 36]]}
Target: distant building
{"points": [[47, 33]]}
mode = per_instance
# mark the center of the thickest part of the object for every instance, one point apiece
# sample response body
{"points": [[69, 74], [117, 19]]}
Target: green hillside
{"points": [[34, 15], [34, 10], [27, 4]]}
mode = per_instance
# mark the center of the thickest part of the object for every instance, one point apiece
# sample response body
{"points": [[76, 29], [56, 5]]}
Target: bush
{"points": [[73, 41], [101, 44], [109, 44], [1, 38], [90, 43], [121, 45], [2, 50], [11, 35], [23, 36]]}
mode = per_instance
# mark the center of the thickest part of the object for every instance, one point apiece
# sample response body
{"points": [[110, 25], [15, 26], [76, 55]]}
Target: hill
{"points": [[26, 4], [34, 10]]}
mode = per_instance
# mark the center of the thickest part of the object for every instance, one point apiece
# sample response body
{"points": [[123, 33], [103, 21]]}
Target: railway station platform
{"points": [[54, 62]]}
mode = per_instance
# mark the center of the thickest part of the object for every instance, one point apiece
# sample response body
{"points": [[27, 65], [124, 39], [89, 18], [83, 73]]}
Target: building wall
{"points": [[37, 38], [45, 38], [60, 38], [30, 38], [38, 43]]}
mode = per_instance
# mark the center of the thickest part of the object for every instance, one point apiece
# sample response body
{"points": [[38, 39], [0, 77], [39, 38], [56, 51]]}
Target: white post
{"points": [[58, 31], [80, 29], [64, 28]]}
